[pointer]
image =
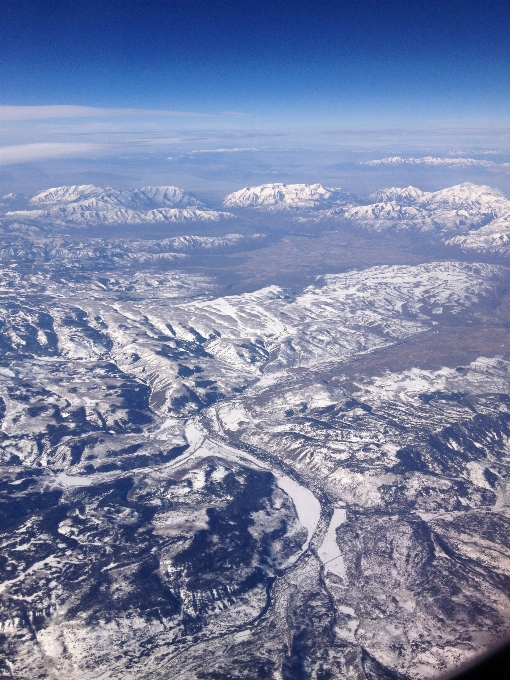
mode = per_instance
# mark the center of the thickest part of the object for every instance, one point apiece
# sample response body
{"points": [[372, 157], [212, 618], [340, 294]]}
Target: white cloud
{"points": [[22, 153], [233, 150], [71, 111]]}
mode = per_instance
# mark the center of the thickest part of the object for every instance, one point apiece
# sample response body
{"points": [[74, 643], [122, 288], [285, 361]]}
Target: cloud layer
{"points": [[72, 111], [23, 153]]}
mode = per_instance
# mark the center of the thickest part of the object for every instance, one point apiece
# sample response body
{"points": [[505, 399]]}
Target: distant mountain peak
{"points": [[467, 196], [67, 194], [160, 197], [400, 195], [279, 196]]}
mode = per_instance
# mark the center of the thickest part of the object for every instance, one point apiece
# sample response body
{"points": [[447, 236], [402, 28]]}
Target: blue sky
{"points": [[245, 67]]}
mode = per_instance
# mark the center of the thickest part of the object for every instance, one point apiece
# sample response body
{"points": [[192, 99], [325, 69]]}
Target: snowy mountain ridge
{"points": [[82, 217], [93, 197], [399, 195], [467, 214], [278, 196], [431, 160], [462, 208], [116, 251], [86, 204], [466, 196]]}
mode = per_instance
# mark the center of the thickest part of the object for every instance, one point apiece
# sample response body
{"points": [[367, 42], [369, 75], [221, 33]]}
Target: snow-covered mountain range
{"points": [[83, 205], [475, 217], [435, 161], [461, 207], [95, 198]]}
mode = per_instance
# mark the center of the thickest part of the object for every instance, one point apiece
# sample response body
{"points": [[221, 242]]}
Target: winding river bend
{"points": [[202, 445]]}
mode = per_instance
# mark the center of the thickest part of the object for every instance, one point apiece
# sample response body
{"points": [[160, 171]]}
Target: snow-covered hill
{"points": [[116, 251], [170, 454], [493, 237], [81, 216], [280, 196]]}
